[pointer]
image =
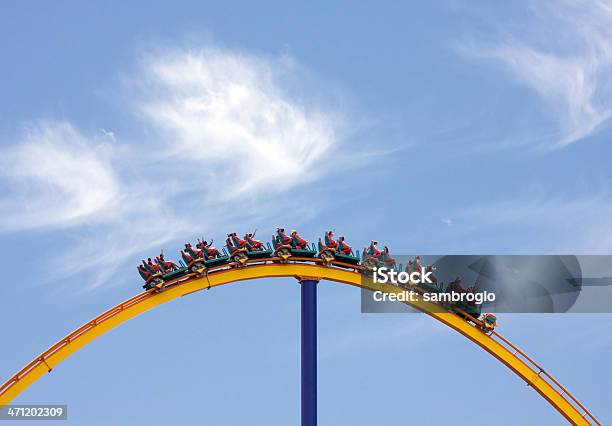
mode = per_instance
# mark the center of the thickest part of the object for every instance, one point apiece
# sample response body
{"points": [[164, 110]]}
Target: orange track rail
{"points": [[45, 361]]}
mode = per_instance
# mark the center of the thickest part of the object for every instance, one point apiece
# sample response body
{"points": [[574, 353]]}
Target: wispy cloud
{"points": [[563, 53], [236, 118], [56, 177], [233, 133]]}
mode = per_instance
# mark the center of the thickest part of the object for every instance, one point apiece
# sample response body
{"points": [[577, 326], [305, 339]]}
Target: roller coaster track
{"points": [[492, 342]]}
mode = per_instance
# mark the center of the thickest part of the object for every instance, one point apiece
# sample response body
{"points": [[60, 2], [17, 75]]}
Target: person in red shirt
{"points": [[152, 267], [343, 247], [209, 250], [298, 242], [282, 237], [253, 243], [166, 265], [373, 250], [329, 240]]}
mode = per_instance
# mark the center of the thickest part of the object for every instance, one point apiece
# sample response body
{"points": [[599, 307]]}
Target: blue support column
{"points": [[309, 352]]}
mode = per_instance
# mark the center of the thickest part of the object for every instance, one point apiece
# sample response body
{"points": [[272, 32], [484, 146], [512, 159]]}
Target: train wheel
{"points": [[284, 254], [369, 263], [327, 256], [158, 284], [196, 267]]}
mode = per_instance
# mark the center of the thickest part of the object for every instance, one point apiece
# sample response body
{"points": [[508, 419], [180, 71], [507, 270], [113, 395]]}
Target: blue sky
{"points": [[454, 127]]}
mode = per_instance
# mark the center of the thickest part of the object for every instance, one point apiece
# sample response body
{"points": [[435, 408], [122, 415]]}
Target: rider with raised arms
{"points": [[252, 242]]}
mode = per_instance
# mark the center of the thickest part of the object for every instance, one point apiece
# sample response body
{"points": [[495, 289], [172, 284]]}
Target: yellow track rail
{"points": [[493, 343]]}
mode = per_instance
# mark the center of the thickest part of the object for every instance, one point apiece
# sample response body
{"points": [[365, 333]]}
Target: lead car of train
{"points": [[282, 248]]}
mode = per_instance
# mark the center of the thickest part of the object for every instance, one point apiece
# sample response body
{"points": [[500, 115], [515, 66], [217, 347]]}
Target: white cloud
{"points": [[565, 55], [232, 136], [56, 178], [233, 116]]}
